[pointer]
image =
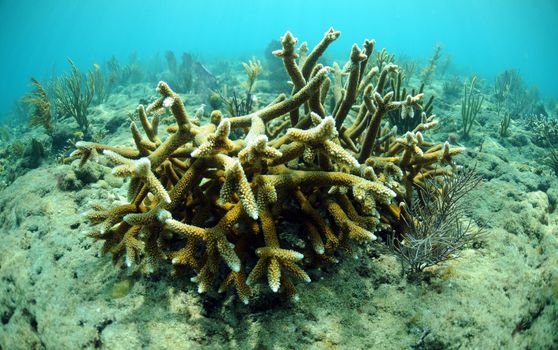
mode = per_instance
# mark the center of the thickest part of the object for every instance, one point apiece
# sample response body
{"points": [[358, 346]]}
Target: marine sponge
{"points": [[212, 206]]}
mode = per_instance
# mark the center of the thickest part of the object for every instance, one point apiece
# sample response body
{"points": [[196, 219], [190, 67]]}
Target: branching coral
{"points": [[404, 118], [215, 207]]}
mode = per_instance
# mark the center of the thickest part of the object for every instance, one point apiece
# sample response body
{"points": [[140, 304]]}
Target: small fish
{"points": [[78, 136]]}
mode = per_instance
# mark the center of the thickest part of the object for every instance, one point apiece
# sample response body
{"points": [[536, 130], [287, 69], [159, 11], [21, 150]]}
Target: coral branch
{"points": [[209, 196]]}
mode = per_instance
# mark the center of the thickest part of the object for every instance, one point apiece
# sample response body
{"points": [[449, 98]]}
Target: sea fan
{"points": [[438, 227]]}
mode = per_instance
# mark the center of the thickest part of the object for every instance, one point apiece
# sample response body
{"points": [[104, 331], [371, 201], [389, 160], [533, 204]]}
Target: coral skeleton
{"points": [[221, 209]]}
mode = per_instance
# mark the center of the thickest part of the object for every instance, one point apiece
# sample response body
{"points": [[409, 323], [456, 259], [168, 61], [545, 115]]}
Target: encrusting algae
{"points": [[211, 205]]}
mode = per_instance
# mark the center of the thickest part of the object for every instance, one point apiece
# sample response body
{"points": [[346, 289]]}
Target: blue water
{"points": [[484, 37]]}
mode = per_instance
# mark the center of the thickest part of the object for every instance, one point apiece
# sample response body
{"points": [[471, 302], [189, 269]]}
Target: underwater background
{"points": [[278, 174], [483, 37]]}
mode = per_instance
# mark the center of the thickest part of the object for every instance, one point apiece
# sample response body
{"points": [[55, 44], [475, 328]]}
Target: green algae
{"points": [[121, 288]]}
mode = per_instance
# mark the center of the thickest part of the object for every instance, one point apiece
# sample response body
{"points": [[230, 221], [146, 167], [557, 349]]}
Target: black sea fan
{"points": [[437, 224]]}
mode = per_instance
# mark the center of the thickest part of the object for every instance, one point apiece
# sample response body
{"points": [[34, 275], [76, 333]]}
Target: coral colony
{"points": [[294, 187]]}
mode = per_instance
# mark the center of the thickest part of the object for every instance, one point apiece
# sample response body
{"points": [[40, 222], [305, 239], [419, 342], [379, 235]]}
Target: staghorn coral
{"points": [[404, 118], [212, 206]]}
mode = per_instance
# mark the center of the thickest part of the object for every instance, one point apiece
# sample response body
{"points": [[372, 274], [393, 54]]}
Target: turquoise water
{"points": [[484, 37]]}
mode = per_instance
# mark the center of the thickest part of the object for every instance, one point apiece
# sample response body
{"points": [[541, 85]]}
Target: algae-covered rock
{"points": [[121, 288]]}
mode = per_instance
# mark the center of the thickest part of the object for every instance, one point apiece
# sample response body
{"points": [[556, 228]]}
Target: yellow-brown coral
{"points": [[212, 206]]}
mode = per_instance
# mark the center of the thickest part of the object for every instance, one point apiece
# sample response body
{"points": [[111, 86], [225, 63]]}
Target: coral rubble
{"points": [[217, 206]]}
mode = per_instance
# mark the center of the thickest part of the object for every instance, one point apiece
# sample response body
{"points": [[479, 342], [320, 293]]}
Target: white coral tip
{"points": [[165, 197], [128, 261], [168, 101], [195, 153], [143, 166], [235, 266], [164, 216], [254, 214]]}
